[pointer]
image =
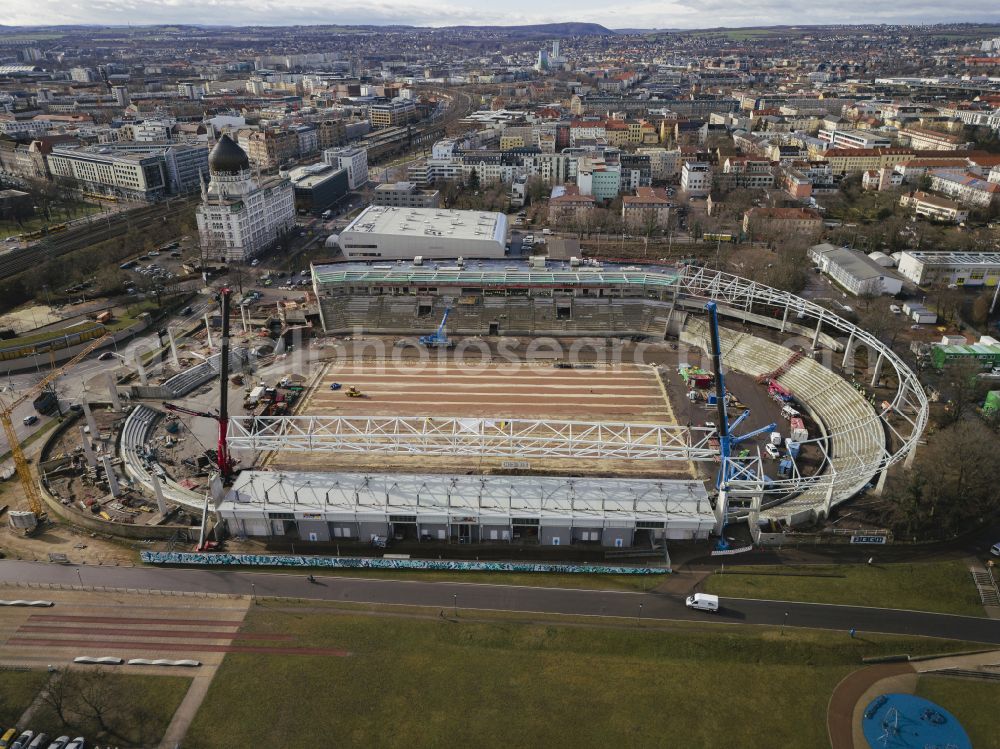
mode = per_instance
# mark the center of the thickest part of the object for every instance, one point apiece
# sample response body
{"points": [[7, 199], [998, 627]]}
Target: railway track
{"points": [[19, 260]]}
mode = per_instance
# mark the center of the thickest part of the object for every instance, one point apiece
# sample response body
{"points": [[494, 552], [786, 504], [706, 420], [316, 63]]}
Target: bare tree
{"points": [[948, 488]]}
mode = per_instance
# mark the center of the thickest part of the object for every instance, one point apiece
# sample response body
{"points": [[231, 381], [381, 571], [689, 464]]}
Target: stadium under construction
{"points": [[557, 451]]}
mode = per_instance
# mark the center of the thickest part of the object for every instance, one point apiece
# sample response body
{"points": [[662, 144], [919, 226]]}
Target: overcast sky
{"points": [[641, 14]]}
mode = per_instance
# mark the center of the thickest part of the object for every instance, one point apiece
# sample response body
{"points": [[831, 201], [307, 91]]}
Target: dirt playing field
{"points": [[624, 393], [621, 393]]}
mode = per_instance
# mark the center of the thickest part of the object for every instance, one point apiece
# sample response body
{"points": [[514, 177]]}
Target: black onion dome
{"points": [[227, 157]]}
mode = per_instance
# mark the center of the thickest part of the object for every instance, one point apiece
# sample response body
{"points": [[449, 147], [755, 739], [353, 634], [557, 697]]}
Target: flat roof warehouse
{"points": [[395, 233], [426, 222]]}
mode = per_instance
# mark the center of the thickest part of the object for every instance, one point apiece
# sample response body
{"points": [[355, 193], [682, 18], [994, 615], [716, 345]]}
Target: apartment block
{"points": [[934, 207], [394, 113], [648, 209], [405, 195], [696, 178]]}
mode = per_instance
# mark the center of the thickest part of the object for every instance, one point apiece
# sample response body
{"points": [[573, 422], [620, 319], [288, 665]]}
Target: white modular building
{"points": [[546, 510], [391, 233]]}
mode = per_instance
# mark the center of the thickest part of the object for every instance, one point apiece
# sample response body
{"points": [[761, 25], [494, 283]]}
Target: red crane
{"points": [[223, 459]]}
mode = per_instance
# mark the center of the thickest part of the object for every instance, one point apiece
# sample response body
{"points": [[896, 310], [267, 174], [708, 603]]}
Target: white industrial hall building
{"points": [[959, 268], [389, 233], [239, 218], [550, 511], [854, 271]]}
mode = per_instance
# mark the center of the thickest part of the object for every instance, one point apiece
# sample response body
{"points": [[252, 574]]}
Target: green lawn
{"points": [[501, 681], [48, 335], [944, 587], [139, 708], [60, 215], [973, 702], [17, 690]]}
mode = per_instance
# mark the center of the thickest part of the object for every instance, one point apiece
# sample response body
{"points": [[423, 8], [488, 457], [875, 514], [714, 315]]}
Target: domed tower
{"points": [[227, 157], [229, 167]]}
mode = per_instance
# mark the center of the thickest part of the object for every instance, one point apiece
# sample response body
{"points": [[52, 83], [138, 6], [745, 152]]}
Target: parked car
{"points": [[30, 420], [772, 451], [23, 740], [995, 549], [77, 743], [39, 742], [59, 743], [8, 738], [105, 356], [254, 263]]}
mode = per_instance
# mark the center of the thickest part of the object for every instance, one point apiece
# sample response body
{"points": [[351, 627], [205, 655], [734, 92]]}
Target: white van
{"points": [[703, 602]]}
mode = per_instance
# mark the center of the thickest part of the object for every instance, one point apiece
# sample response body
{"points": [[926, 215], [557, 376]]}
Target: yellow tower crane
{"points": [[21, 465]]}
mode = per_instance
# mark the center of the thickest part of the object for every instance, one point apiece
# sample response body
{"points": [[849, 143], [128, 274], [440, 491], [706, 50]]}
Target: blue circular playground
{"points": [[903, 721]]}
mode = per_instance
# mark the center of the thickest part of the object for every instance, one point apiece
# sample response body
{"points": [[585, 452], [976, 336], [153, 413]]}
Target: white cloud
{"points": [[669, 14]]}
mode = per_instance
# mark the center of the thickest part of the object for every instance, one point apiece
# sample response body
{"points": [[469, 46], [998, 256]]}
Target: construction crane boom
{"points": [[31, 493], [223, 459], [439, 338]]}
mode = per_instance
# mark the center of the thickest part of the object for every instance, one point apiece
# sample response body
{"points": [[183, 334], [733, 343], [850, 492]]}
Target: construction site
{"points": [[607, 407]]}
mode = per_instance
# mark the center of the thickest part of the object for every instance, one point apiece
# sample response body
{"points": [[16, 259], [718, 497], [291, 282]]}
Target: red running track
{"points": [[134, 620], [180, 646], [41, 628]]}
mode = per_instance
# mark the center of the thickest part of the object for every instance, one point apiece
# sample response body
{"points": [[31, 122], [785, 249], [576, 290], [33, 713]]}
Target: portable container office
{"points": [[798, 433]]}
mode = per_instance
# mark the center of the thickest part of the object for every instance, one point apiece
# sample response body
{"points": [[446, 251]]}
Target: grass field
{"points": [[500, 681], [17, 690], [60, 214], [139, 709], [944, 587], [974, 703]]}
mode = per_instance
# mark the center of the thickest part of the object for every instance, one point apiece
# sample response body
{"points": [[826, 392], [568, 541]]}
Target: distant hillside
{"points": [[545, 29]]}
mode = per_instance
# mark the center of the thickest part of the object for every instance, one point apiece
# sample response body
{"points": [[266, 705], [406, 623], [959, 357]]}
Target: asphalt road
{"points": [[656, 606], [77, 382]]}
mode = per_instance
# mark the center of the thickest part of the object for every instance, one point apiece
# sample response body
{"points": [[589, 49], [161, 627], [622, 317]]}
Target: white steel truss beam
{"points": [[454, 436]]}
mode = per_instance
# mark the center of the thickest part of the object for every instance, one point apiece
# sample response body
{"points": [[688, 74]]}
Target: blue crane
{"points": [[730, 467], [439, 338]]}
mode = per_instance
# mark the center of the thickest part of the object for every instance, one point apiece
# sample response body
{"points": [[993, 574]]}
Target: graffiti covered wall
{"points": [[378, 563]]}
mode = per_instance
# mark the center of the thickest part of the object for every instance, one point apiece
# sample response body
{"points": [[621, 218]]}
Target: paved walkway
{"points": [[38, 702], [846, 696], [852, 695], [188, 708], [115, 622]]}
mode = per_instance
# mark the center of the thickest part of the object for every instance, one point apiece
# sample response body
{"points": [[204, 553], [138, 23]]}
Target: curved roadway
{"points": [[658, 606]]}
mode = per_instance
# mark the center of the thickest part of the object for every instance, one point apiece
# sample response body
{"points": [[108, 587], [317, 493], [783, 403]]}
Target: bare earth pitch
{"points": [[619, 393]]}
